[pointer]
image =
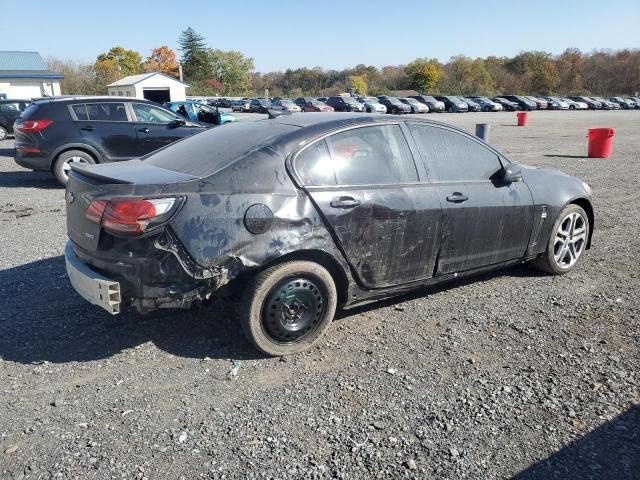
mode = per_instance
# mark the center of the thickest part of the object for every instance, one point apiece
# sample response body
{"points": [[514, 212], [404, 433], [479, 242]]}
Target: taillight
{"points": [[33, 126], [131, 215]]}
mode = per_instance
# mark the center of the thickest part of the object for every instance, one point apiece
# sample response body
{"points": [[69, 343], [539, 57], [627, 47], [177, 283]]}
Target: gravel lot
{"points": [[509, 374]]}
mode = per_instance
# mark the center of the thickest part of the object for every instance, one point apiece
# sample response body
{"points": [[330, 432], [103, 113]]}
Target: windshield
{"points": [[413, 101], [209, 152], [348, 100], [371, 100]]}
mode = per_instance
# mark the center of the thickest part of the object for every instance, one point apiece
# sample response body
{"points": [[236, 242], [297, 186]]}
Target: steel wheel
{"points": [[571, 238], [293, 309]]}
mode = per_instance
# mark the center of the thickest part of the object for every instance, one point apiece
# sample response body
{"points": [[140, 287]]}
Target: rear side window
{"points": [[101, 112], [314, 165], [452, 156], [360, 156]]}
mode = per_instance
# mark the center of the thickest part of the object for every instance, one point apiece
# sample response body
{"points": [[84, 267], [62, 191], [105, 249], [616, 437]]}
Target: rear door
{"points": [[106, 126], [155, 127], [485, 221], [365, 183]]}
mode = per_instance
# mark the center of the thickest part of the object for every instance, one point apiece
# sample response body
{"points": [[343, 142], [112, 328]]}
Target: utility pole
{"points": [[180, 71]]}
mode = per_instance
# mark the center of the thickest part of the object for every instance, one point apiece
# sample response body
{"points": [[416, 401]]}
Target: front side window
{"points": [[452, 156], [360, 156], [146, 113]]}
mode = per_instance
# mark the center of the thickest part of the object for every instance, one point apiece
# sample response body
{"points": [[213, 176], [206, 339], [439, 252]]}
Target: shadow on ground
{"points": [[610, 452], [44, 319], [29, 179]]}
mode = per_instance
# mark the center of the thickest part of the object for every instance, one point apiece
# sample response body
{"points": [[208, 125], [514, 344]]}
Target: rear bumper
{"points": [[92, 286], [33, 161], [159, 277]]}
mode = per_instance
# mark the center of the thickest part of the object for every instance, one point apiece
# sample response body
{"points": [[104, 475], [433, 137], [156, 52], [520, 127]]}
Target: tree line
{"points": [[214, 72]]}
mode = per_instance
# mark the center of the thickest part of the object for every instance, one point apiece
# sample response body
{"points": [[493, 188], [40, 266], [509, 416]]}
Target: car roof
{"points": [[84, 98]]}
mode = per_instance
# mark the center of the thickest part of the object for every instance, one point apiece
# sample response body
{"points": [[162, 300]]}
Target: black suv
{"points": [[345, 104], [9, 111], [394, 105], [53, 133]]}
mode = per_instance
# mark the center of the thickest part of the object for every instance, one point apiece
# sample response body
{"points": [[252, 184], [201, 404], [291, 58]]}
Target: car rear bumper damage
{"points": [[167, 279]]}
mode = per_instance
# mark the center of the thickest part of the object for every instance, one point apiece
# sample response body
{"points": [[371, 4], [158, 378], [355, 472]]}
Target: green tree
{"points": [[195, 60], [232, 69], [359, 84], [425, 74]]}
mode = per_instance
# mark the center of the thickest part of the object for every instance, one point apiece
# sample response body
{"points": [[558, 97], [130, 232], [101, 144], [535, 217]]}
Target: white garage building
{"points": [[24, 75], [154, 86]]}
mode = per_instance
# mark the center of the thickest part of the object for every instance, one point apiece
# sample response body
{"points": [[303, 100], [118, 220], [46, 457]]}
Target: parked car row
{"points": [[428, 103]]}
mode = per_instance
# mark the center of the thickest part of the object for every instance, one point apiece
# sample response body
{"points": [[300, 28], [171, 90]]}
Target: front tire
{"points": [[287, 308], [63, 163], [567, 242]]}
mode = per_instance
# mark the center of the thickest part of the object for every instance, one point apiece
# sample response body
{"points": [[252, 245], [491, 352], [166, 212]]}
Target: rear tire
{"points": [[3, 133], [567, 242], [62, 164], [287, 308]]}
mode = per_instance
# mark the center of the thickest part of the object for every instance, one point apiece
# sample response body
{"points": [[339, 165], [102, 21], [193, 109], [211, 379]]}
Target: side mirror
{"points": [[178, 122], [511, 173]]}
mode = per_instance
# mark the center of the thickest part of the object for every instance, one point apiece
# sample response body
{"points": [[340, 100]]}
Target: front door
{"points": [[156, 127], [107, 127], [365, 183], [485, 221]]}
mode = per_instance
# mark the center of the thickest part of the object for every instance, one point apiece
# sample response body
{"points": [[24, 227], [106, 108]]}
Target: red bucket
{"points": [[523, 118], [600, 141]]}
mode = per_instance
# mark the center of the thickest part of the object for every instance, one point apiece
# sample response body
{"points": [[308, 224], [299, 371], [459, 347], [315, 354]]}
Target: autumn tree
{"points": [[115, 64], [79, 78], [358, 83], [195, 60], [425, 74], [162, 59]]}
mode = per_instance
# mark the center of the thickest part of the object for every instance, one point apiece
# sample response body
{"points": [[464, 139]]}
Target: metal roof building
{"points": [[25, 75], [154, 86]]}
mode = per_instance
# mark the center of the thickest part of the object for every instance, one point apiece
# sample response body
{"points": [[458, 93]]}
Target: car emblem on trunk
{"points": [[70, 197]]}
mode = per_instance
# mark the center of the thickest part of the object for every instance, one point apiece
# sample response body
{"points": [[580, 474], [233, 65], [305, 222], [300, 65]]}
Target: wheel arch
{"points": [[328, 261], [585, 204], [82, 147]]}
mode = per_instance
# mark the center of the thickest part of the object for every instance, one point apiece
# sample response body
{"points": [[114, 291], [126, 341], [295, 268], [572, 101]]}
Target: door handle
{"points": [[87, 128], [344, 202], [144, 130], [457, 197]]}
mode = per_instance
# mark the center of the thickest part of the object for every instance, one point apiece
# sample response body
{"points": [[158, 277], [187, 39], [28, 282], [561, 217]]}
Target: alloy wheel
{"points": [[293, 309], [571, 238]]}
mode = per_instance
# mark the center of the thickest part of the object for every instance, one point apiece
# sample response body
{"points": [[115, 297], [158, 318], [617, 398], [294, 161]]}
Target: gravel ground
{"points": [[513, 374]]}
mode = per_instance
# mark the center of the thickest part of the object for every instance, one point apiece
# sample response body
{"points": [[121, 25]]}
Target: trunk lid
{"points": [[88, 183]]}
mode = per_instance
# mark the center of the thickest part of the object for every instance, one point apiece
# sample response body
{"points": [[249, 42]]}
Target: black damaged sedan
{"points": [[309, 213]]}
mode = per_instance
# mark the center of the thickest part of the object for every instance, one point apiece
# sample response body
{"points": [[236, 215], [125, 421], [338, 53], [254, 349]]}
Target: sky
{"points": [[281, 34]]}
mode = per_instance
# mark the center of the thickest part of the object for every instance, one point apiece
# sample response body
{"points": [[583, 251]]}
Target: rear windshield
{"points": [[211, 151], [30, 111]]}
